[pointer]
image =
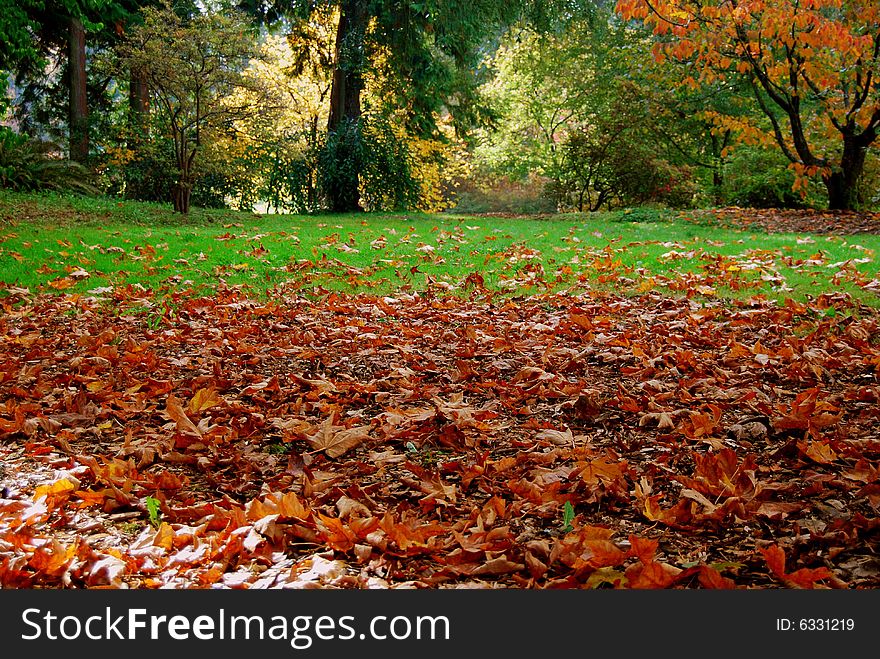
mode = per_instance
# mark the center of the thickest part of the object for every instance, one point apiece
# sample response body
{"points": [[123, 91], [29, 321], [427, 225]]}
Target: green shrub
{"points": [[756, 178], [370, 152], [640, 214], [27, 164], [504, 195]]}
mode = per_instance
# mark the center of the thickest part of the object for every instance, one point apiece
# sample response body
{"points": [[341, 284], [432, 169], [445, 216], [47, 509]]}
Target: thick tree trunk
{"points": [[138, 106], [843, 183], [345, 105], [182, 194], [78, 116], [138, 133]]}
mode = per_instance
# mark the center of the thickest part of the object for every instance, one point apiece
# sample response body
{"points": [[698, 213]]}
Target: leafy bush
{"points": [[756, 178], [27, 164], [641, 214], [370, 152], [612, 164], [501, 194], [150, 174], [288, 173]]}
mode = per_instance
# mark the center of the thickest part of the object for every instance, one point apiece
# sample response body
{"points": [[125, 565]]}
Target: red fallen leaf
{"points": [[494, 566], [92, 498], [600, 553], [711, 578], [643, 548], [803, 578], [291, 507], [411, 535], [778, 510], [53, 559], [581, 321], [165, 480], [818, 451], [176, 413], [808, 413], [652, 575], [336, 534], [607, 472], [537, 568], [56, 494], [432, 485], [862, 471], [164, 536], [11, 577], [681, 514], [363, 526], [588, 548], [722, 474]]}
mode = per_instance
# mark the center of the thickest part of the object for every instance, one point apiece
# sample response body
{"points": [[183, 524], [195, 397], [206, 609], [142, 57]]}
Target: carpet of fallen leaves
{"points": [[588, 441], [774, 220]]}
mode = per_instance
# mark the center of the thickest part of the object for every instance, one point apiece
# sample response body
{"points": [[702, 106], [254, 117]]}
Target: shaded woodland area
{"points": [[485, 107]]}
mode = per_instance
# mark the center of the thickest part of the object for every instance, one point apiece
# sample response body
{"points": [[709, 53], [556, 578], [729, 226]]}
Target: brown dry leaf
{"points": [[176, 413], [663, 420], [336, 440], [819, 452], [778, 510], [500, 565], [557, 437]]}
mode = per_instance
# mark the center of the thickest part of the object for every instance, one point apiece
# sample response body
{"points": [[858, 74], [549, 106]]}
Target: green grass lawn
{"points": [[81, 244]]}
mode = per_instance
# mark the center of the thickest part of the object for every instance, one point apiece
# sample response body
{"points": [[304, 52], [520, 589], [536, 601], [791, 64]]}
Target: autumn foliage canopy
{"points": [[812, 65]]}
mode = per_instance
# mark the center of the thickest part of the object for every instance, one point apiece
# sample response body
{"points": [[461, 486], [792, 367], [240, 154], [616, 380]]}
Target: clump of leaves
{"points": [[471, 464], [27, 164]]}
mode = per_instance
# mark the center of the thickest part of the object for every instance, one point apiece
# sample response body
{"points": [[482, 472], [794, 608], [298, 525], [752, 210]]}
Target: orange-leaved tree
{"points": [[813, 65]]}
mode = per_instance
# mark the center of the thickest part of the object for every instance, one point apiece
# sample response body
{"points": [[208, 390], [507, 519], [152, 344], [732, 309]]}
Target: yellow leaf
{"points": [[164, 536], [54, 490], [61, 283], [204, 399]]}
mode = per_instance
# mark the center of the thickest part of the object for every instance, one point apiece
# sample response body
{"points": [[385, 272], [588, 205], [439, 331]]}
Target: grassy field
{"points": [[80, 244]]}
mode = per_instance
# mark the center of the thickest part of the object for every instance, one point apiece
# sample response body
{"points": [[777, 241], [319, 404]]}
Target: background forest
{"points": [[487, 106]]}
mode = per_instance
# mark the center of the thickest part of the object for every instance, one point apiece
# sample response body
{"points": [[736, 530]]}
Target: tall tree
{"points": [[813, 65], [78, 117], [193, 66], [52, 27], [426, 51]]}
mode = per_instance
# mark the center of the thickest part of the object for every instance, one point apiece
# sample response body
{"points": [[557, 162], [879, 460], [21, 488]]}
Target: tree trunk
{"points": [[138, 106], [138, 134], [182, 194], [718, 166], [843, 183], [78, 124], [345, 105]]}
